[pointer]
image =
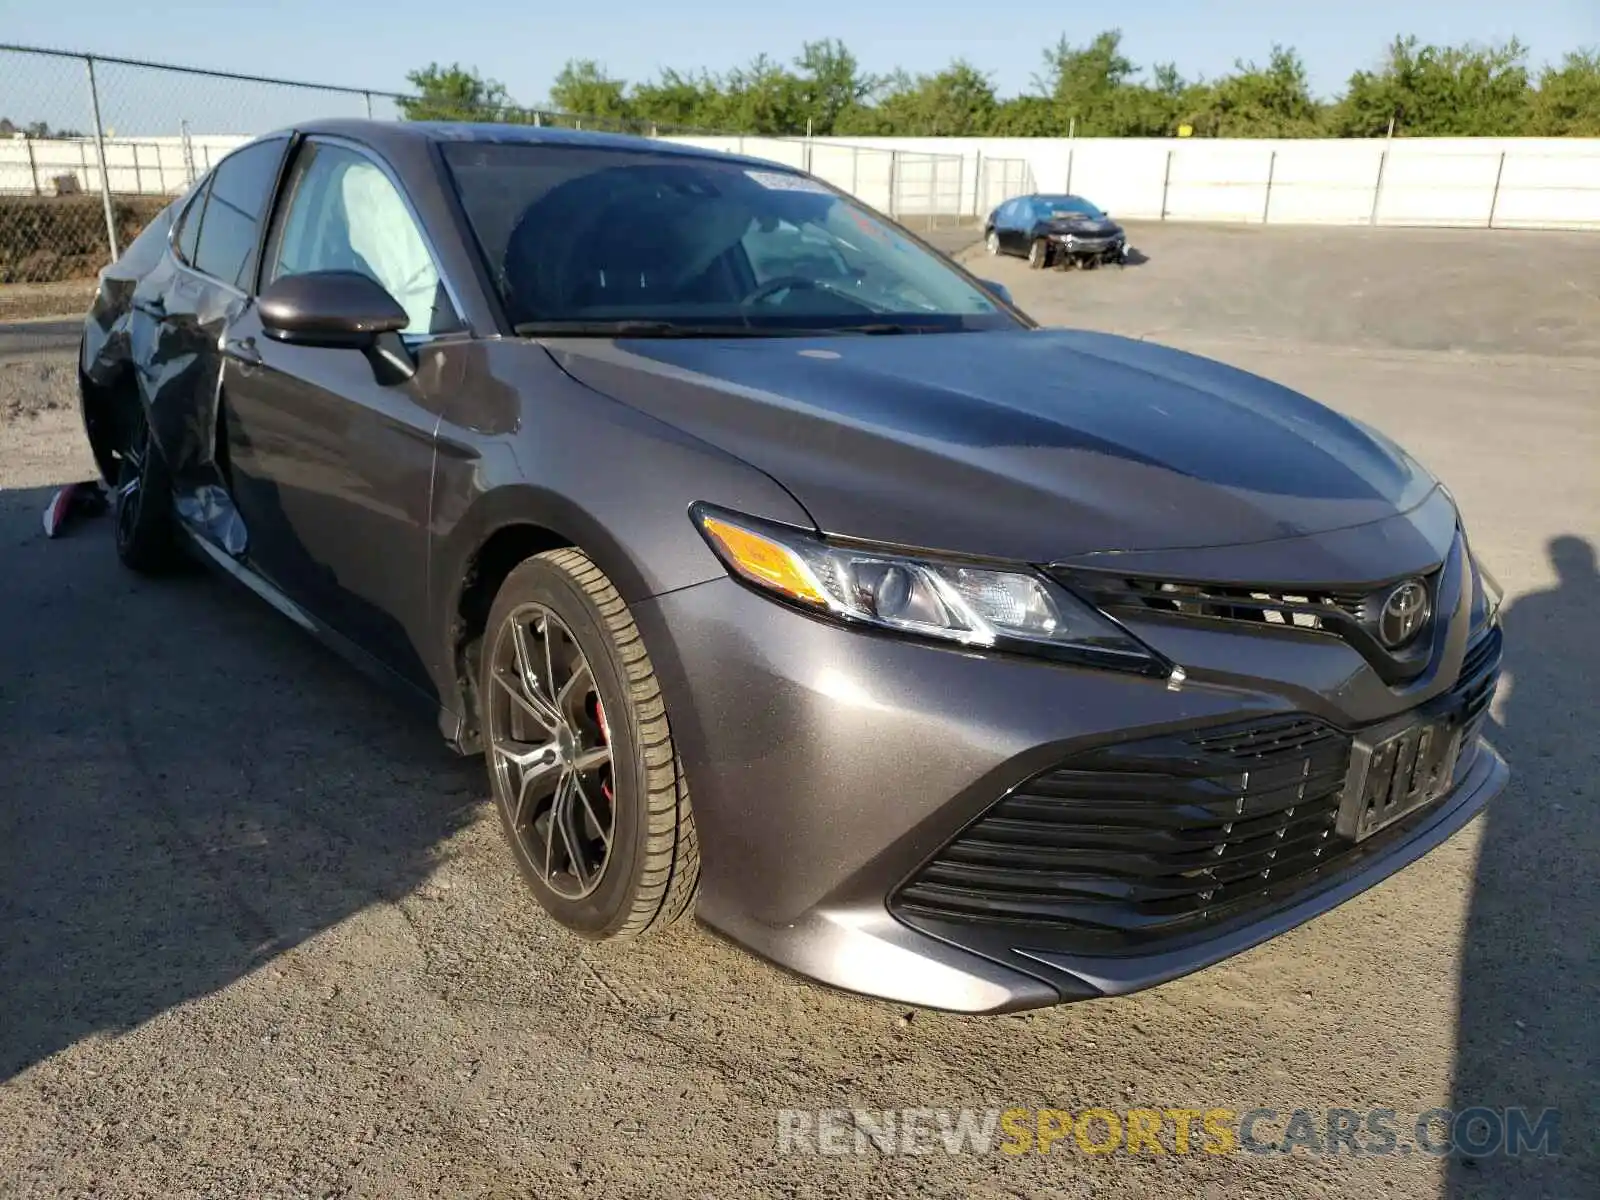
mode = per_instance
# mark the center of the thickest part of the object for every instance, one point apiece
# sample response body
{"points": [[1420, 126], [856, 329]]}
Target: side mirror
{"points": [[339, 309], [999, 289]]}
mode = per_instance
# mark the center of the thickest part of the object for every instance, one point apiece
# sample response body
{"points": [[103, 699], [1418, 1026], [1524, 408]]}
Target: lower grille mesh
{"points": [[1136, 842], [1141, 838]]}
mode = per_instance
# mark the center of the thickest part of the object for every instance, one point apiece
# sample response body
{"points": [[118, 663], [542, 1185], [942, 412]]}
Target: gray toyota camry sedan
{"points": [[785, 574]]}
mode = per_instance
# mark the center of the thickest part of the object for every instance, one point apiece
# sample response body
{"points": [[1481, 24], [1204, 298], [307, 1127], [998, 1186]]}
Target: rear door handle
{"points": [[242, 350]]}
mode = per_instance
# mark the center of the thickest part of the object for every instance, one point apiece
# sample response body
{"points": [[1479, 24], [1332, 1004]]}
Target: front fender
{"points": [[522, 443]]}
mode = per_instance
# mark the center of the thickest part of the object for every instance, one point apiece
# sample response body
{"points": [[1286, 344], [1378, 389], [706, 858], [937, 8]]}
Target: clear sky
{"points": [[371, 44]]}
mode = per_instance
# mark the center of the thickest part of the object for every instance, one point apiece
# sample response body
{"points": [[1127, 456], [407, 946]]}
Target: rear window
{"points": [[1070, 206], [241, 188], [189, 230]]}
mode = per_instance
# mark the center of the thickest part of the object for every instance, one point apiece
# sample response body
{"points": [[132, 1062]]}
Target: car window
{"points": [[1071, 206], [580, 233], [241, 189], [342, 213], [189, 224]]}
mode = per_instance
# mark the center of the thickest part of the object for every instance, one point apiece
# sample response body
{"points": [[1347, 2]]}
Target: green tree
{"points": [[1567, 103], [1086, 82], [584, 89], [830, 84], [1429, 90], [453, 93], [764, 97], [1270, 101], [1028, 116], [1439, 91], [955, 102], [678, 101]]}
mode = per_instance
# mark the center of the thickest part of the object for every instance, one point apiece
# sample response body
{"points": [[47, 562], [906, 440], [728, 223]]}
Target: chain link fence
{"points": [[92, 148]]}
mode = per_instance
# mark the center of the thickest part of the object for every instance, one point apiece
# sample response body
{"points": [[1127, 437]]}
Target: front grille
{"points": [[1133, 843], [1348, 613], [1143, 838], [1321, 610], [1480, 673]]}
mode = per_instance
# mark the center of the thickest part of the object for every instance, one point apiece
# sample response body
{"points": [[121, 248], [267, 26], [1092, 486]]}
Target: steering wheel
{"points": [[783, 283]]}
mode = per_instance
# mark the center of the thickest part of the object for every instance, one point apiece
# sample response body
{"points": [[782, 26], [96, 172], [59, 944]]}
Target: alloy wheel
{"points": [[550, 751], [130, 478], [992, 242]]}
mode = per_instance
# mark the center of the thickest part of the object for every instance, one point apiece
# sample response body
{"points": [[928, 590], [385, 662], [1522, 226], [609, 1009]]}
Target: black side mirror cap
{"points": [[339, 310], [329, 308]]}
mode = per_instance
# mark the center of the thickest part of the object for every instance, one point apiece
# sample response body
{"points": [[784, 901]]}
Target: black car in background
{"points": [[1055, 231]]}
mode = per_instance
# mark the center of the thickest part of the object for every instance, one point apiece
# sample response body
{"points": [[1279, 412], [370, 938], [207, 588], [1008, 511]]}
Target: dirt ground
{"points": [[259, 936]]}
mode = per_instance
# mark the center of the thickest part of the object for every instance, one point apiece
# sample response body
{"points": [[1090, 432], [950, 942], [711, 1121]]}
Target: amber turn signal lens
{"points": [[763, 561]]}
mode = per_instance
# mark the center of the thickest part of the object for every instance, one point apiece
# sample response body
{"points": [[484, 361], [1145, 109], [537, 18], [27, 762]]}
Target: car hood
{"points": [[1029, 445]]}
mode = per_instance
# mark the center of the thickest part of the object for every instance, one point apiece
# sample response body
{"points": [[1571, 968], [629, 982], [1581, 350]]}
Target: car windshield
{"points": [[1071, 206], [592, 240]]}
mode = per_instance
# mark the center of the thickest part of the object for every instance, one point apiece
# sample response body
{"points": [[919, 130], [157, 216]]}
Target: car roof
{"points": [[381, 134]]}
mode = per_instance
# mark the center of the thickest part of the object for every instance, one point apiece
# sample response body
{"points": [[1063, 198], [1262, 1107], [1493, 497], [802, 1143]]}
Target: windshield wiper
{"points": [[675, 329], [650, 329], [885, 329]]}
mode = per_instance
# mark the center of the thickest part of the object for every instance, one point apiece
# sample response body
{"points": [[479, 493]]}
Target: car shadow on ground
{"points": [[1528, 988], [191, 786]]}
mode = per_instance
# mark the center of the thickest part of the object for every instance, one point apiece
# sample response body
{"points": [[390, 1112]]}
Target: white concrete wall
{"points": [[1542, 183], [147, 165], [1536, 183]]}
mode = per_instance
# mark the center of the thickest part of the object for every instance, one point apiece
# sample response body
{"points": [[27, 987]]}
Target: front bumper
{"points": [[1109, 246], [827, 766]]}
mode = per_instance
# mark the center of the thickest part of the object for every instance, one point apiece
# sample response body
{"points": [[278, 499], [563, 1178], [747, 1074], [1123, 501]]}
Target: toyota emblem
{"points": [[1405, 611]]}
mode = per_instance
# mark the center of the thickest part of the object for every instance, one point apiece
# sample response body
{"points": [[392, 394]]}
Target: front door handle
{"points": [[242, 350]]}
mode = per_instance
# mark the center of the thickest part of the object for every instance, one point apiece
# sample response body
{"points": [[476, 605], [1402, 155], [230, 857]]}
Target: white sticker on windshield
{"points": [[782, 181]]}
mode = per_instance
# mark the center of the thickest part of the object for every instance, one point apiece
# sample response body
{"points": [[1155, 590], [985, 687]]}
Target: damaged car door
{"points": [[185, 311], [331, 450]]}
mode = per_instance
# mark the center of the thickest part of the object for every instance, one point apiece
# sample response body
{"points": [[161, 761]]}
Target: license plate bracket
{"points": [[1394, 771]]}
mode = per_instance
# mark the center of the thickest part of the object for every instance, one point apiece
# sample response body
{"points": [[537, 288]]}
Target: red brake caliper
{"points": [[605, 736]]}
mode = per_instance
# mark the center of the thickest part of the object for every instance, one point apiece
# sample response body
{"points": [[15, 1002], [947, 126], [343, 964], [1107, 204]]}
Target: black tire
{"points": [[145, 526], [651, 873], [1038, 254], [991, 242]]}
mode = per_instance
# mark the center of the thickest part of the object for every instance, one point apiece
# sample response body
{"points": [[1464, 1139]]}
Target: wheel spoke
{"points": [[524, 755], [583, 795], [525, 664], [534, 705], [531, 776], [561, 818], [580, 673], [540, 769], [549, 666]]}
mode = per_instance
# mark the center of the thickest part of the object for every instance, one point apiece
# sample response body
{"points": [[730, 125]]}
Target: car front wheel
{"points": [[1038, 254], [581, 761], [992, 243]]}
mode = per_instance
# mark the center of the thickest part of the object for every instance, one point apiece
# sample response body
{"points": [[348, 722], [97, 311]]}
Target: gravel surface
{"points": [[259, 936]]}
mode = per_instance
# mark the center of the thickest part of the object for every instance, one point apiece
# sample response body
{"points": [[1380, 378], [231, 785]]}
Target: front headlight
{"points": [[944, 599]]}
